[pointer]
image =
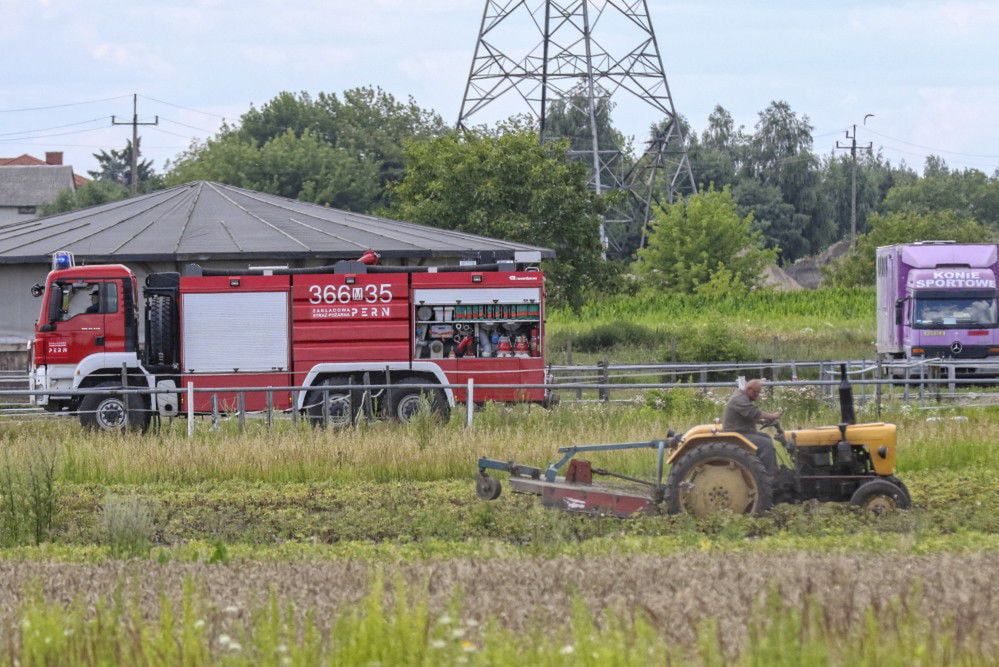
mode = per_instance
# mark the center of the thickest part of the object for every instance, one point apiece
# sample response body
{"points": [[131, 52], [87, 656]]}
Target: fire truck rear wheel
{"points": [[343, 405], [113, 412], [407, 401]]}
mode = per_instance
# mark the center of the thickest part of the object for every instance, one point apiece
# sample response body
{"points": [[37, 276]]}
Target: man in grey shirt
{"points": [[742, 416]]}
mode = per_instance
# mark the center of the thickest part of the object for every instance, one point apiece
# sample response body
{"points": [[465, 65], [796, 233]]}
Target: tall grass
{"points": [[385, 452]]}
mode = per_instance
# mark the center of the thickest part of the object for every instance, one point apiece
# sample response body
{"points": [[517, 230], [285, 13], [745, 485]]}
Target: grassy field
{"points": [[296, 546], [819, 324]]}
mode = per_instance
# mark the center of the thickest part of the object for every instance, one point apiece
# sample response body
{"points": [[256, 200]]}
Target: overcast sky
{"points": [[928, 70]]}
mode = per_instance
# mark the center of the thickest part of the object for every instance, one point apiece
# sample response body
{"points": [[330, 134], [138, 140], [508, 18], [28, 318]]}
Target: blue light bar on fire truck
{"points": [[63, 259]]}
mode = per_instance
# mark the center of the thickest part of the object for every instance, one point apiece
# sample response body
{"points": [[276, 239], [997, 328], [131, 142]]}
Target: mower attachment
{"points": [[575, 492]]}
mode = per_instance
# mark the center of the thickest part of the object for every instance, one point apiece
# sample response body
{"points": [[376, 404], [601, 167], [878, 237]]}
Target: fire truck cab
{"points": [[327, 329]]}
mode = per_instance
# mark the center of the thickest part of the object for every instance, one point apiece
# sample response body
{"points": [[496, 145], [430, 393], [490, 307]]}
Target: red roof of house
{"points": [[25, 160]]}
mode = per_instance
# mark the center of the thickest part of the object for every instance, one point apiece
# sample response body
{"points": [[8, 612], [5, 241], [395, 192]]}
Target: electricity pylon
{"points": [[579, 58]]}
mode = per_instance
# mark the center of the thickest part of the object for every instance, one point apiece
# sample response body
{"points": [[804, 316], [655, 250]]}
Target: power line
{"points": [[101, 147], [931, 148], [179, 106], [172, 134], [54, 134], [896, 149], [192, 127], [61, 106], [54, 127]]}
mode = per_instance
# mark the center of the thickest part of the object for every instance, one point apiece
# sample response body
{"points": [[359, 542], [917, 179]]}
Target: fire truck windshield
{"points": [[954, 312]]}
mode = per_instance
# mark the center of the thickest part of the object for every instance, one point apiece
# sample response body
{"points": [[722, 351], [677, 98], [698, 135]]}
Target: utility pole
{"points": [[134, 176], [852, 147]]}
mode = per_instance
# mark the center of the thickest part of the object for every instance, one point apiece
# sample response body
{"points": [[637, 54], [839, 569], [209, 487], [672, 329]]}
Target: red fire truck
{"points": [[327, 329]]}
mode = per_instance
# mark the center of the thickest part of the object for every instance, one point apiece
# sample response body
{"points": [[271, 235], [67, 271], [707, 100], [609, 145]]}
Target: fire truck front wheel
{"points": [[113, 411], [408, 401]]}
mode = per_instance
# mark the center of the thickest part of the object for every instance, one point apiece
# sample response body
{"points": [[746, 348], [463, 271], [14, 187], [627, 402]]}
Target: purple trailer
{"points": [[937, 299]]}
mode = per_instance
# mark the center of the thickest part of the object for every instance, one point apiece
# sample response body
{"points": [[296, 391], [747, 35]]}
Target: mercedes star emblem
{"points": [[956, 348]]}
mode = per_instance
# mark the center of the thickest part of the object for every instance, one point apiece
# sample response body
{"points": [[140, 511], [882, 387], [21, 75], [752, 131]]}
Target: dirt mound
{"points": [[776, 278], [807, 271]]}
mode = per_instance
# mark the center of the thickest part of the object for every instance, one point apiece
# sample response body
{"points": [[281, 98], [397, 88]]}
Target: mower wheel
{"points": [[487, 488], [716, 477], [880, 496]]}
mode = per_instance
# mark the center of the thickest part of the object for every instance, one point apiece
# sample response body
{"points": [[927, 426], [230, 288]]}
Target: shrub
{"points": [[713, 340], [621, 332]]}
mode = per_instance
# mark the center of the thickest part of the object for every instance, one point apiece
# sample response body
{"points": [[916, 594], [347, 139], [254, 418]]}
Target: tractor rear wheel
{"points": [[881, 496], [717, 477]]}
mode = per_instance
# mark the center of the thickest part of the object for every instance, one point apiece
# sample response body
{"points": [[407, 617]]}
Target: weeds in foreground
{"points": [[399, 628], [29, 494]]}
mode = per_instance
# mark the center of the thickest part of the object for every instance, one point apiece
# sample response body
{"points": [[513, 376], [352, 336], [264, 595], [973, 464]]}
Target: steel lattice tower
{"points": [[577, 56]]}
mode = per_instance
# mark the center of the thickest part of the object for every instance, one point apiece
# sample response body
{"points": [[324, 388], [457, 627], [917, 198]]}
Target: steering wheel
{"points": [[775, 424]]}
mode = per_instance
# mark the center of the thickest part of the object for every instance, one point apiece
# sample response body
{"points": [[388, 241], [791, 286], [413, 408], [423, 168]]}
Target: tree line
{"points": [[766, 194]]}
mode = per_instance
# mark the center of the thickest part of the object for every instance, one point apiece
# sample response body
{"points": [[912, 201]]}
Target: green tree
{"points": [[702, 243], [721, 152], [341, 150], [298, 167], [857, 267], [509, 187], [780, 154], [90, 194], [968, 192], [115, 166]]}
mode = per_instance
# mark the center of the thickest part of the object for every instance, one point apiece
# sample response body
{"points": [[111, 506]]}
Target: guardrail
{"points": [[867, 389]]}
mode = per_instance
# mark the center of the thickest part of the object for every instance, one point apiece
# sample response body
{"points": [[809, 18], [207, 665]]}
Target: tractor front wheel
{"points": [[717, 477], [881, 496]]}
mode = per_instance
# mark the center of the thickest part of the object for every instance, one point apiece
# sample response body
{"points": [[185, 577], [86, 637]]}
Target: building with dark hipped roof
{"points": [[220, 226]]}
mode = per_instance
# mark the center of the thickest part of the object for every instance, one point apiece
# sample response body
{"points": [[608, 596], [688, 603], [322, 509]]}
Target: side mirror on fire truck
{"points": [[37, 290]]}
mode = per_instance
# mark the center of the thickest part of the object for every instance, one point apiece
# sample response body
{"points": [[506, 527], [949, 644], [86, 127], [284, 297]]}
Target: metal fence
{"points": [[874, 382]]}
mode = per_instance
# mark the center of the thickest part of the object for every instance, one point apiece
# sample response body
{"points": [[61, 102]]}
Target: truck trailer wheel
{"points": [[881, 496], [161, 334], [343, 405], [113, 411], [408, 401], [718, 476]]}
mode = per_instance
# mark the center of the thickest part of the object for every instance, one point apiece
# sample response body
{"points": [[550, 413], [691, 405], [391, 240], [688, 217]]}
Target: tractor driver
{"points": [[741, 416]]}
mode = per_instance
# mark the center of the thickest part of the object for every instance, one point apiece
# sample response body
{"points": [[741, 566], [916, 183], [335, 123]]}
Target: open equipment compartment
{"points": [[483, 326], [494, 322]]}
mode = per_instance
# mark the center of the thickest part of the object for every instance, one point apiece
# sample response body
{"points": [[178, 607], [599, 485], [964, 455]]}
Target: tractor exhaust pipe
{"points": [[846, 411]]}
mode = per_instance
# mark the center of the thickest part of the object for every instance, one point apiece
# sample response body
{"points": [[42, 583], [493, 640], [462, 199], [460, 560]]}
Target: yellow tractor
{"points": [[711, 470]]}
